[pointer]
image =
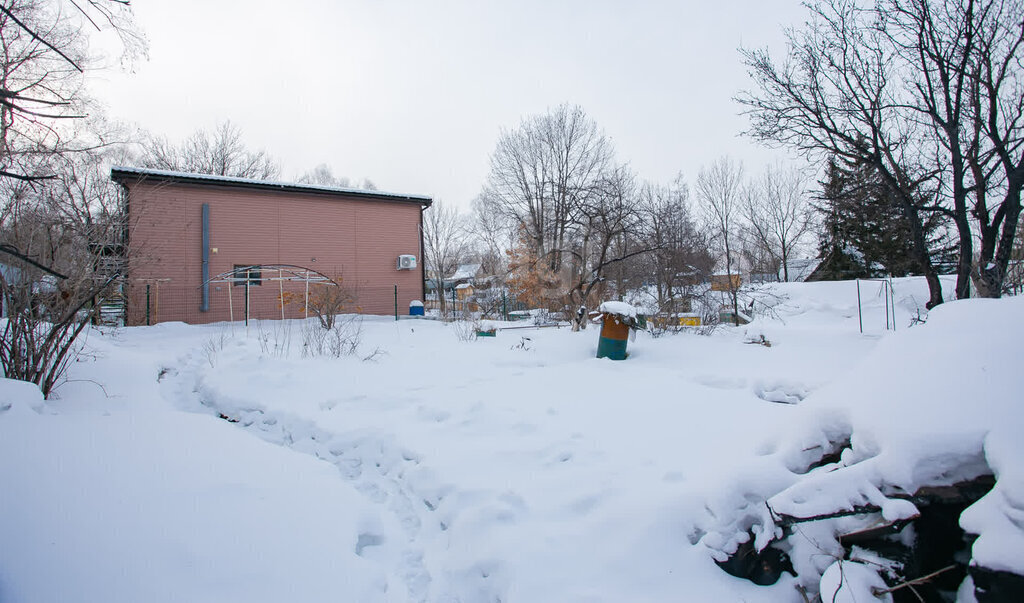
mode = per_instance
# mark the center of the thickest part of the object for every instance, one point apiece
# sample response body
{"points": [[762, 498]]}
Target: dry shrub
{"points": [[342, 338], [326, 301], [338, 330]]}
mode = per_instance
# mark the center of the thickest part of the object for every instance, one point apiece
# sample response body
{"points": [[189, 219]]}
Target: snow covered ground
{"points": [[215, 463]]}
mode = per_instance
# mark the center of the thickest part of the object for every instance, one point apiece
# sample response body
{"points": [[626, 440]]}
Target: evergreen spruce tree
{"points": [[866, 234]]}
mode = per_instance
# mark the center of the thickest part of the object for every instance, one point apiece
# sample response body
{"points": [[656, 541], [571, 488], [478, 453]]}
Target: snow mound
{"points": [[18, 397], [618, 307], [933, 406], [850, 582]]}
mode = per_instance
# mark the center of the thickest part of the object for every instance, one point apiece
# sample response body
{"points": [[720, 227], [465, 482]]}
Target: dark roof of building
{"points": [[125, 175]]}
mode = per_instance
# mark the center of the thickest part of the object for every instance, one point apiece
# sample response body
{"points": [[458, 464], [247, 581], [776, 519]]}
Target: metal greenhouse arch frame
{"points": [[285, 273]]}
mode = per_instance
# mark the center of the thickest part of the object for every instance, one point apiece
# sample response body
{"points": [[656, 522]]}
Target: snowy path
{"points": [[378, 468]]}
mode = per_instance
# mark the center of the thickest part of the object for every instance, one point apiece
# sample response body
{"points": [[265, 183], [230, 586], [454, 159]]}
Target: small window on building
{"points": [[244, 273]]}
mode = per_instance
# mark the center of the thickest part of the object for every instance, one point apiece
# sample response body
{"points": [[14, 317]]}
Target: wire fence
{"points": [[148, 303], [154, 301], [495, 302]]}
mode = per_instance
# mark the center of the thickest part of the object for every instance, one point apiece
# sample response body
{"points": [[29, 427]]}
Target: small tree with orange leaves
{"points": [[326, 300], [530, 279]]}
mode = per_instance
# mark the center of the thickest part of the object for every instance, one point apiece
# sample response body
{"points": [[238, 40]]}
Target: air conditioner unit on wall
{"points": [[406, 262]]}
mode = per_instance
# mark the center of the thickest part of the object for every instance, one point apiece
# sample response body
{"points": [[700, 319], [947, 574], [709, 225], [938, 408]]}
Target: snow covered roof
{"points": [[465, 271], [123, 174], [800, 269]]}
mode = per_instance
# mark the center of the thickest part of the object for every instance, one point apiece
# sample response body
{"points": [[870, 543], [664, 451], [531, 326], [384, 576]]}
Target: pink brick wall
{"points": [[356, 240]]}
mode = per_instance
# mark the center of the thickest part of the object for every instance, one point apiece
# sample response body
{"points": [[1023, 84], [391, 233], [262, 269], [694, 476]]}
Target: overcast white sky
{"points": [[413, 93]]}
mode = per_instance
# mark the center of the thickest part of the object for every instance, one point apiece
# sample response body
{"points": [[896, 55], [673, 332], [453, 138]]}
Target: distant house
{"points": [[725, 281], [800, 269], [465, 273], [207, 248], [464, 298]]}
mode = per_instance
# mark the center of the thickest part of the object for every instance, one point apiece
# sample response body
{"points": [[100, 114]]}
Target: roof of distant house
{"points": [[124, 174], [465, 271], [800, 269]]}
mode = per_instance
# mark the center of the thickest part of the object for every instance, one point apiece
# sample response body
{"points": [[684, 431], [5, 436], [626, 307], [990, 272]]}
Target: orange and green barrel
{"points": [[614, 335]]}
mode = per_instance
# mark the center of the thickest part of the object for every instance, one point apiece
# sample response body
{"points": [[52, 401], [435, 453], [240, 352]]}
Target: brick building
{"points": [[191, 237]]}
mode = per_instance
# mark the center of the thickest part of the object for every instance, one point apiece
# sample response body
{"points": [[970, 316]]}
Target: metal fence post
{"points": [[247, 298], [892, 295], [396, 302], [860, 317]]}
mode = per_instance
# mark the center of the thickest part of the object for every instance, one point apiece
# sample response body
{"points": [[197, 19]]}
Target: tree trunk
{"points": [[994, 258], [964, 257], [920, 245], [960, 218], [785, 264]]}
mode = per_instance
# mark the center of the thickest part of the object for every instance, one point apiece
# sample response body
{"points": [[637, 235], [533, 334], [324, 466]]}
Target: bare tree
{"points": [[45, 57], [928, 94], [491, 236], [719, 191], [322, 175], [542, 173], [760, 260], [680, 258], [444, 242], [963, 68], [607, 225], [59, 214], [777, 213], [220, 153], [998, 102], [1014, 283], [61, 245], [836, 94], [935, 43]]}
